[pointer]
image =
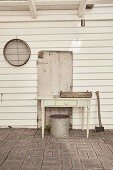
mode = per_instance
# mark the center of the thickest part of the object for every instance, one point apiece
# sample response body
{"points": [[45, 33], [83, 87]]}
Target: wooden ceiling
{"points": [[34, 5]]}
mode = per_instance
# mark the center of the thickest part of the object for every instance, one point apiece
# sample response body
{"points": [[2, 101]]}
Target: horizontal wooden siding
{"points": [[92, 47]]}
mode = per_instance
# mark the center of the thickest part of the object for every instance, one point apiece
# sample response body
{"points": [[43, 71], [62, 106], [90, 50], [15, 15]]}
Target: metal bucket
{"points": [[59, 126]]}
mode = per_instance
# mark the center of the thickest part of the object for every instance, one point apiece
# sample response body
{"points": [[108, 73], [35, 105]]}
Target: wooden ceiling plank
{"points": [[49, 4]]}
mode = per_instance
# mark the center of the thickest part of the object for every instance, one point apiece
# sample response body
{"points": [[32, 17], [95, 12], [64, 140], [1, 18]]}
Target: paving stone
{"points": [[66, 167], [56, 152], [51, 160], [66, 160], [76, 163], [82, 153], [46, 168], [84, 146], [30, 168], [35, 153], [106, 155], [107, 164], [9, 164], [2, 159], [48, 152], [91, 163], [91, 154], [33, 161], [26, 150], [18, 153], [56, 167], [53, 146], [9, 168], [71, 154]]}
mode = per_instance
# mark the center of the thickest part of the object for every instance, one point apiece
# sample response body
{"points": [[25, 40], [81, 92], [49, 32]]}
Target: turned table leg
{"points": [[88, 117], [43, 121], [82, 118]]}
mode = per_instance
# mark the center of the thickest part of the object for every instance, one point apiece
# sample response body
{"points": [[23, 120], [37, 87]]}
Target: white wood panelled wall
{"points": [[92, 47]]}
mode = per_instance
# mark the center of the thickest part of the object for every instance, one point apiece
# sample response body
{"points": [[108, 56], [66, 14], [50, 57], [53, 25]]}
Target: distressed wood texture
{"points": [[59, 30], [54, 75], [75, 94]]}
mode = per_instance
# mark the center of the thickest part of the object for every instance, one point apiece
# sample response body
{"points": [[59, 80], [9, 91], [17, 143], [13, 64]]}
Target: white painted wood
{"points": [[15, 84], [101, 88], [30, 64], [95, 121], [108, 50], [52, 68], [93, 63], [63, 37], [93, 56], [18, 103], [107, 95], [20, 126], [58, 30], [17, 70], [18, 90], [18, 123], [19, 77], [72, 44], [38, 31], [104, 101], [82, 118], [20, 96], [106, 76], [55, 24], [94, 108], [93, 126], [95, 10], [66, 37], [64, 102], [93, 69], [93, 115], [20, 116], [32, 7], [17, 109], [100, 1], [14, 13], [44, 18], [93, 83], [77, 57], [82, 7], [17, 5]]}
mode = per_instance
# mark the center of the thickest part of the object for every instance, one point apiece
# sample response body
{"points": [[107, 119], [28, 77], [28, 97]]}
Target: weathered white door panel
{"points": [[54, 75], [44, 76], [66, 71], [55, 72]]}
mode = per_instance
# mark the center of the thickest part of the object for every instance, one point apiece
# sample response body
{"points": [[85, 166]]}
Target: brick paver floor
{"points": [[24, 149]]}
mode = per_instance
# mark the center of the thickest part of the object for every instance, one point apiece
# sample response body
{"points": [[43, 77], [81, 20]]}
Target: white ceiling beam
{"points": [[33, 10], [82, 7]]}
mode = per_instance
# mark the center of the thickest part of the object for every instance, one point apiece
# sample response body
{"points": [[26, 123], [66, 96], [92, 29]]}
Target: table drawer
{"points": [[66, 103], [49, 103]]}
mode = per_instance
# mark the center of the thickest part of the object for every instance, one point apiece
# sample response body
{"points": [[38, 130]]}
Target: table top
{"points": [[58, 98]]}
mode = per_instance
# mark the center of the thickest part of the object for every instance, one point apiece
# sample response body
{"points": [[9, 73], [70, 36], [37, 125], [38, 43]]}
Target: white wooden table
{"points": [[66, 102]]}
